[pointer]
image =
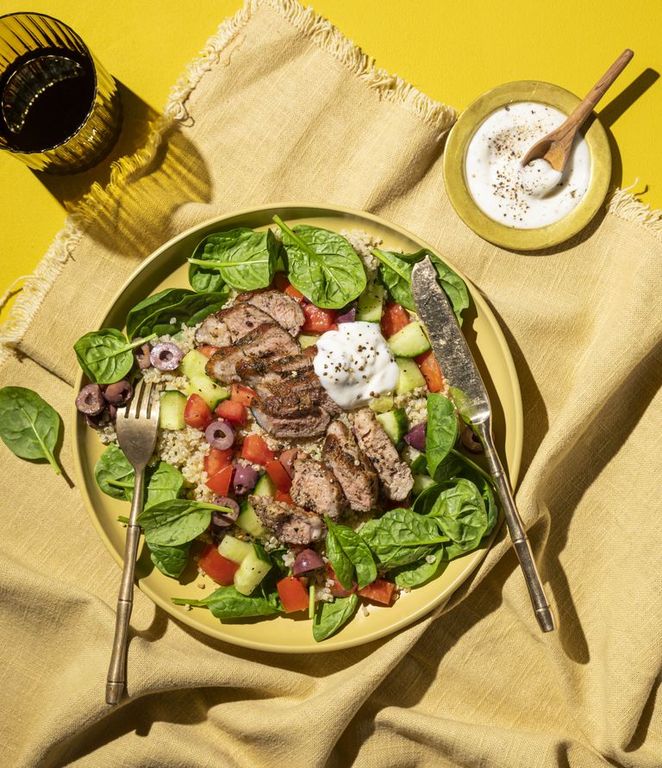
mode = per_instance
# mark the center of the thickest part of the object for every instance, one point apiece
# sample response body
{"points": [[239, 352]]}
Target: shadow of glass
{"points": [[127, 200]]}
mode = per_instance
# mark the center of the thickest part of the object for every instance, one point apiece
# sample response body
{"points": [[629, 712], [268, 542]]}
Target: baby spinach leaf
{"points": [[454, 286], [330, 617], [29, 426], [105, 356], [441, 433], [176, 521], [227, 603], [417, 574], [171, 561], [322, 265], [460, 513], [154, 315], [242, 258], [401, 537], [115, 477], [352, 548]]}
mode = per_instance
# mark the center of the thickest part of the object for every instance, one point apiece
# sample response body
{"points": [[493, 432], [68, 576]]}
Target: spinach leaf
{"points": [[344, 544], [176, 521], [417, 574], [29, 426], [330, 617], [395, 271], [227, 603], [242, 258], [171, 561], [322, 265], [425, 500], [441, 433], [460, 513], [401, 537], [115, 477], [154, 314], [105, 356]]}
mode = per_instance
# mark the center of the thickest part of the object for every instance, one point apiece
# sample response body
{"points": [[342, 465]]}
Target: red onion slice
{"points": [[347, 317], [416, 437], [306, 561]]}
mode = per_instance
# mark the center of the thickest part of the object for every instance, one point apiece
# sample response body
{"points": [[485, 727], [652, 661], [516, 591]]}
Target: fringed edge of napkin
{"points": [[626, 206]]}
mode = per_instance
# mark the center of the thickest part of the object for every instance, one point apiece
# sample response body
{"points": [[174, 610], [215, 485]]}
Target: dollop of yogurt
{"points": [[523, 197], [354, 364]]}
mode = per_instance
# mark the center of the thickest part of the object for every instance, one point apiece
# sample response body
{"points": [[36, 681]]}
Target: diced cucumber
{"points": [[234, 549], [421, 482], [264, 487], [419, 464], [171, 410], [409, 341], [307, 340], [248, 521], [410, 376], [211, 392], [370, 304], [394, 424], [381, 404], [193, 364], [250, 573]]}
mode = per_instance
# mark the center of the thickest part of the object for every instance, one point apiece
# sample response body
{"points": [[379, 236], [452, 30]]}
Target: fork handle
{"points": [[116, 681], [517, 532]]}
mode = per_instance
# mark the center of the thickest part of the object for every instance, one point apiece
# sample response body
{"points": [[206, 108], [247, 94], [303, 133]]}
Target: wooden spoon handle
{"points": [[587, 104]]}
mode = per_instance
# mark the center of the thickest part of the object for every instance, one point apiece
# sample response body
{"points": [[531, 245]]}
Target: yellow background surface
{"points": [[453, 51]]}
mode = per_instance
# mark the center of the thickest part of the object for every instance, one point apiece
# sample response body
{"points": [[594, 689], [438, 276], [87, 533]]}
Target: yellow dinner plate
{"points": [[167, 268], [456, 184]]}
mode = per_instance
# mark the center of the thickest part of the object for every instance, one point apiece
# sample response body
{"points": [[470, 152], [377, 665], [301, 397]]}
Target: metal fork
{"points": [[136, 426]]}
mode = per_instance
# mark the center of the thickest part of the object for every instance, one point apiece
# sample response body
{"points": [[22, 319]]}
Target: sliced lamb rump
{"points": [[285, 310], [230, 325], [290, 524], [265, 341], [315, 487], [351, 467], [312, 424], [396, 477]]}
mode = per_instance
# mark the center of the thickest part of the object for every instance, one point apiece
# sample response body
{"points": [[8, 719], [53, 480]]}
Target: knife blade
{"points": [[468, 392]]}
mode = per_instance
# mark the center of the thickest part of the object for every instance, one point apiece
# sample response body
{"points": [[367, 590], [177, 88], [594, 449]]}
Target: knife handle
{"points": [[516, 530]]}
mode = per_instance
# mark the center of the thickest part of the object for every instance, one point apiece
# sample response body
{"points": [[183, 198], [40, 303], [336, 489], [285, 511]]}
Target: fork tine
{"points": [[133, 409], [146, 402], [154, 404]]}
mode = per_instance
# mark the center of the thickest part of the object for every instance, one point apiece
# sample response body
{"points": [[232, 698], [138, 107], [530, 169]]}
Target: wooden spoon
{"points": [[555, 146]]}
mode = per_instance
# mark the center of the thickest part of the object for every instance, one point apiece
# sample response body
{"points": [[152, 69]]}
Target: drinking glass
{"points": [[60, 111]]}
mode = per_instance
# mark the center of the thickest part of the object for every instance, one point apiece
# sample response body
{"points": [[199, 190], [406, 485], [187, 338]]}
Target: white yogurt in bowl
{"points": [[523, 197]]}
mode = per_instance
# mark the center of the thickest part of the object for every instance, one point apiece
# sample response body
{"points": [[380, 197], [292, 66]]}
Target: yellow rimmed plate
{"points": [[167, 268], [458, 191]]}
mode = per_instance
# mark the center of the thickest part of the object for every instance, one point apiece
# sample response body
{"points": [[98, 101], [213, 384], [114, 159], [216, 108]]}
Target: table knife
{"points": [[471, 399]]}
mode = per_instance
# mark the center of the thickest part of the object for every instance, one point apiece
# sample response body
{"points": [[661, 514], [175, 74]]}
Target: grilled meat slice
{"points": [[285, 310], [253, 370], [308, 425], [351, 467], [290, 524], [396, 477], [315, 487], [266, 341], [229, 325]]}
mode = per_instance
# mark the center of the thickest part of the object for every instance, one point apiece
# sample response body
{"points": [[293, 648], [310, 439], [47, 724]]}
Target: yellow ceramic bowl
{"points": [[463, 202], [167, 268]]}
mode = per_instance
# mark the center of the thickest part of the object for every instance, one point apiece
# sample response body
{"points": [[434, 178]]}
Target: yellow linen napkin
{"points": [[281, 107]]}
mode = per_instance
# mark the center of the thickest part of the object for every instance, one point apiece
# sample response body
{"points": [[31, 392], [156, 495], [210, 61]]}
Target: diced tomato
{"points": [[255, 450], [232, 411], [216, 459], [197, 413], [207, 349], [290, 290], [431, 371], [220, 482], [284, 497], [242, 394], [217, 567], [394, 319], [279, 475], [337, 589], [380, 591], [293, 595], [317, 320]]}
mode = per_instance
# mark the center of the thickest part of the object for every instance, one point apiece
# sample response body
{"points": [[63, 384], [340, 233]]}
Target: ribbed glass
{"points": [[60, 111]]}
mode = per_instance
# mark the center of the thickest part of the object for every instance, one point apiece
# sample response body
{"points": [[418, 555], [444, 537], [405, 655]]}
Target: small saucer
{"points": [[463, 202]]}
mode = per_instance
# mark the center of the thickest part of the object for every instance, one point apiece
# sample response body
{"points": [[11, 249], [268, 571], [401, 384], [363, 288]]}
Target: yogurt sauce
{"points": [[354, 364], [523, 197]]}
